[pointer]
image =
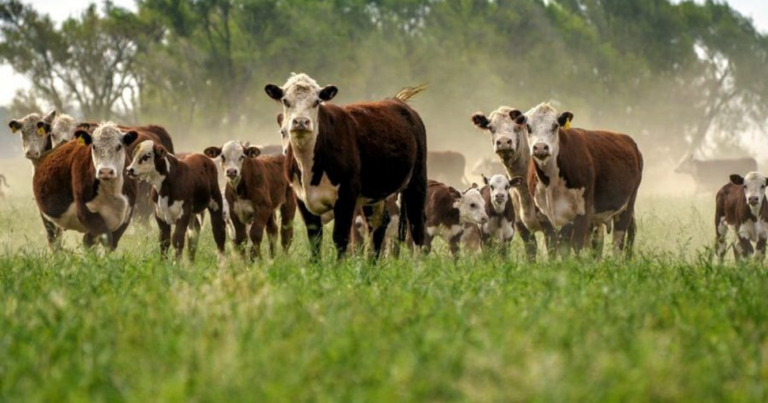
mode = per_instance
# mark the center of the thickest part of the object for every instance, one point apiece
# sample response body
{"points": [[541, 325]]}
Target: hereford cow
{"points": [[509, 139], [741, 208], [33, 142], [182, 189], [256, 189], [500, 227], [447, 167], [60, 126], [341, 157], [582, 178], [709, 175], [80, 185], [448, 210]]}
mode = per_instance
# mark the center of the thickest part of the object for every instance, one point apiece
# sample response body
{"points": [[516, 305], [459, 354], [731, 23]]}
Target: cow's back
{"points": [[274, 166]]}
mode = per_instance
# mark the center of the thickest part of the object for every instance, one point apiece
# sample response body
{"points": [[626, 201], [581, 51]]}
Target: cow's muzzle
{"points": [[106, 174], [232, 173], [753, 201], [541, 151]]}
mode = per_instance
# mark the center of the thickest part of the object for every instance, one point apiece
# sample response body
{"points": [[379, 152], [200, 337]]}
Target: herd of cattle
{"points": [[365, 166]]}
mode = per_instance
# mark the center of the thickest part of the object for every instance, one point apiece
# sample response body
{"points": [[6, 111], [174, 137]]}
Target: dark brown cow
{"points": [[741, 207], [448, 210], [500, 227], [582, 179], [182, 189], [447, 167], [341, 157], [80, 185], [256, 189]]}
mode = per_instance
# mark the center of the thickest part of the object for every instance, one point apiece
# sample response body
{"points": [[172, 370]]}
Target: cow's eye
{"points": [[555, 126], [286, 103], [223, 158], [242, 157], [473, 205], [527, 126], [316, 104], [93, 148], [118, 147]]}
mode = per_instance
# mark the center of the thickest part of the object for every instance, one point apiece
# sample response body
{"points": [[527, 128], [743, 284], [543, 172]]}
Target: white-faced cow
{"points": [[500, 227], [33, 142], [741, 208], [60, 126], [582, 179], [342, 157], [509, 139], [448, 210], [80, 185], [256, 189], [182, 189]]}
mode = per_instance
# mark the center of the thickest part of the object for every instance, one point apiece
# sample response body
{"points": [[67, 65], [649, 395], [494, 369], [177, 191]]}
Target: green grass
{"points": [[668, 325]]}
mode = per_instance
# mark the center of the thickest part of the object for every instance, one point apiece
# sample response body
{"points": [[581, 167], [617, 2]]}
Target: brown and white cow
{"points": [[582, 179], [256, 189], [448, 210], [80, 185], [182, 189], [500, 227], [741, 207], [509, 139], [447, 167], [33, 142], [342, 157]]}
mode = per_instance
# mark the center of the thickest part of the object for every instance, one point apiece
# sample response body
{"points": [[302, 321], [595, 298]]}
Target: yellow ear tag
{"points": [[80, 141], [567, 124], [14, 130], [41, 131]]}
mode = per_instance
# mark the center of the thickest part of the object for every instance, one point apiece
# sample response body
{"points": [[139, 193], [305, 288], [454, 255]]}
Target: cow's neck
{"points": [[156, 179], [517, 163], [305, 157]]}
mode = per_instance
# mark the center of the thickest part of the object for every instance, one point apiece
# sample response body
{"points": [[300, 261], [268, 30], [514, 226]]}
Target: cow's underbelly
{"points": [[111, 204], [318, 199], [605, 217], [447, 232], [170, 212], [68, 220], [499, 228], [243, 210], [559, 203]]}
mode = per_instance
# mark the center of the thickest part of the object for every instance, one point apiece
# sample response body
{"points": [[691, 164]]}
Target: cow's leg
{"points": [[453, 245], [118, 234], [218, 226], [314, 226], [721, 233], [378, 218], [745, 247], [760, 248], [287, 213], [193, 236], [564, 241], [93, 221], [552, 238], [272, 234], [180, 233], [52, 233], [581, 232], [529, 240], [598, 240], [165, 236], [427, 242], [413, 200], [89, 240], [344, 213], [256, 232]]}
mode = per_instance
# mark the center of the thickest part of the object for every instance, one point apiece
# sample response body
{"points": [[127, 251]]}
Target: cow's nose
{"points": [[131, 172], [106, 173], [32, 154], [540, 150], [503, 143], [300, 124], [753, 200], [231, 173], [484, 220], [499, 198]]}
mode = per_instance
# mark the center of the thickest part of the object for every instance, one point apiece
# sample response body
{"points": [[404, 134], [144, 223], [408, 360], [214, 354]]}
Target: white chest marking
{"points": [[319, 199], [169, 212], [110, 203], [244, 210], [445, 232], [499, 228], [559, 203], [68, 220], [753, 230]]}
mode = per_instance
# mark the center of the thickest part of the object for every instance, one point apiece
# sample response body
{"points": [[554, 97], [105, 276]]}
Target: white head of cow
{"points": [[149, 163], [544, 125], [301, 97], [754, 188], [33, 141], [61, 127], [108, 144], [499, 186], [233, 154], [471, 206], [507, 128]]}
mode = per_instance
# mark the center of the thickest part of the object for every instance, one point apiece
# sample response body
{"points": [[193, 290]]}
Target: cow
{"points": [[487, 166], [256, 189], [448, 210], [500, 227], [359, 154], [447, 167], [33, 142], [741, 207], [582, 179], [61, 127], [509, 139], [182, 189], [709, 175], [80, 185]]}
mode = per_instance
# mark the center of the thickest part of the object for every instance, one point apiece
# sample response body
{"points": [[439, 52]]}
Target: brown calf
{"points": [[448, 210], [256, 189], [182, 189], [741, 207], [500, 227]]}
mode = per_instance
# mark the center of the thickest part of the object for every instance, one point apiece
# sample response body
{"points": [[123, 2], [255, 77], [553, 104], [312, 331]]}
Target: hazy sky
{"points": [[61, 9]]}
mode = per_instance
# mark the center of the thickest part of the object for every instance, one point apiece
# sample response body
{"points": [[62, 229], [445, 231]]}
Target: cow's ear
{"points": [[485, 179], [480, 121], [160, 151], [212, 152], [130, 137], [737, 179], [280, 118], [565, 119], [327, 93], [516, 181], [252, 152], [14, 125], [518, 117], [274, 92], [50, 116], [83, 137], [43, 128]]}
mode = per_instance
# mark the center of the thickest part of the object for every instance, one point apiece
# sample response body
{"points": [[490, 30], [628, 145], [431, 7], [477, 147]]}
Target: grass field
{"points": [[666, 326]]}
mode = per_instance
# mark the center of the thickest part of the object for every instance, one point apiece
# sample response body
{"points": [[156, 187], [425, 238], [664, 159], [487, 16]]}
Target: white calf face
{"points": [[499, 185], [754, 187], [108, 151], [143, 162], [507, 128], [544, 126], [231, 158], [471, 207], [62, 129], [301, 97], [32, 141]]}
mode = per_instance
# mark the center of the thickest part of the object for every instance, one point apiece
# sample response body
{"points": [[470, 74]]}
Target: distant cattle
{"points": [[256, 189], [182, 189], [447, 167], [3, 182], [741, 208], [709, 175], [582, 179], [80, 185], [448, 210], [509, 140], [342, 157], [500, 227], [488, 167]]}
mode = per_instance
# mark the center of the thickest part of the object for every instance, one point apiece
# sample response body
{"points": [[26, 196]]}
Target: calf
{"points": [[342, 157], [708, 175], [181, 190], [80, 185], [256, 188], [741, 207], [509, 139], [447, 167], [582, 179], [448, 210], [501, 213]]}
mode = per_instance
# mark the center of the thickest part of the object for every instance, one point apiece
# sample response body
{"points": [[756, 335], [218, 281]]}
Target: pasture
{"points": [[667, 325]]}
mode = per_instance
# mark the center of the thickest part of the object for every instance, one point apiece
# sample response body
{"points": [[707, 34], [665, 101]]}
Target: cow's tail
{"points": [[407, 93]]}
